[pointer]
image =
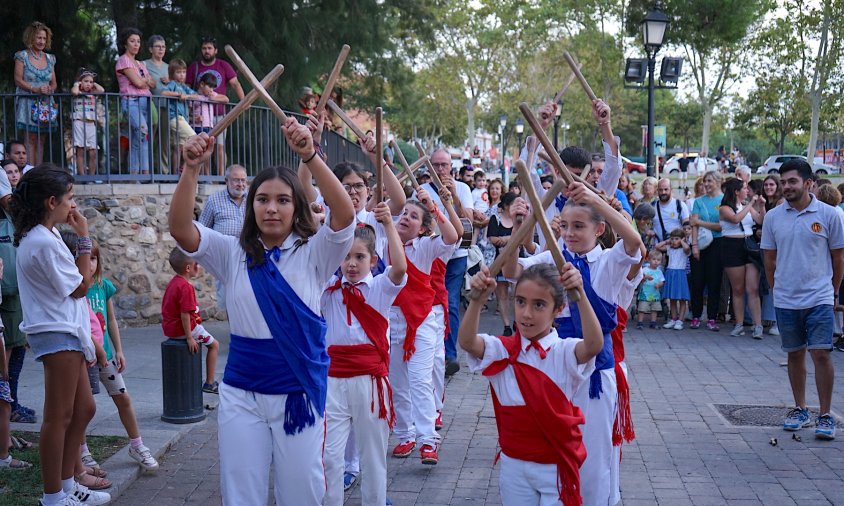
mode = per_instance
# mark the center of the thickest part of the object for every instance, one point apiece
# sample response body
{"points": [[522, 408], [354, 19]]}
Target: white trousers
{"points": [[348, 406], [615, 471], [252, 438], [595, 473], [438, 378], [413, 391], [523, 483], [352, 458]]}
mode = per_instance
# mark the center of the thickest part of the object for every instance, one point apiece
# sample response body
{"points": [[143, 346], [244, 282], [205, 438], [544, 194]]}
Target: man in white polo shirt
{"points": [[803, 244], [456, 267], [670, 212]]}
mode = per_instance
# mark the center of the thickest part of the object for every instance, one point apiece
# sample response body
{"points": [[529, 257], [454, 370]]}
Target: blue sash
{"points": [[560, 202], [570, 326], [300, 337]]}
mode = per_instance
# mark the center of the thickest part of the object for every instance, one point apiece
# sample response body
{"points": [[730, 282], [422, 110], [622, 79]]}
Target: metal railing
{"points": [[255, 140]]}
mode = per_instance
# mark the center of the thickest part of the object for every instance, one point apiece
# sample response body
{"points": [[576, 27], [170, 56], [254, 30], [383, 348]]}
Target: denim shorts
{"points": [[45, 343], [805, 328], [94, 379]]}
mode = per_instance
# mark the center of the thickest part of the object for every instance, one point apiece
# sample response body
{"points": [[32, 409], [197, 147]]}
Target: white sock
{"points": [[85, 448], [51, 499], [7, 461], [68, 485]]}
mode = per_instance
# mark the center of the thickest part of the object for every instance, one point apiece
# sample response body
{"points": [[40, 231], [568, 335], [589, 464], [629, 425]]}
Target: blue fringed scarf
{"points": [[300, 336], [570, 326]]}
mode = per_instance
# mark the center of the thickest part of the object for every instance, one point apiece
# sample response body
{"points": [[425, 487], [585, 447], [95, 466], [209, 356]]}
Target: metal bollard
{"points": [[181, 373]]}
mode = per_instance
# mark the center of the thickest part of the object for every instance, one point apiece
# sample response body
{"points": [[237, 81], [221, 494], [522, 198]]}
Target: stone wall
{"points": [[130, 223]]}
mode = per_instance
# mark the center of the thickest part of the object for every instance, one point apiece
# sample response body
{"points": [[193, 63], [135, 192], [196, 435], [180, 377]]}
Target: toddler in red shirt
{"points": [[180, 315]]}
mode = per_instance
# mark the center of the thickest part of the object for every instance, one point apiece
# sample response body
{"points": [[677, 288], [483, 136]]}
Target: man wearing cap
{"points": [[225, 75]]}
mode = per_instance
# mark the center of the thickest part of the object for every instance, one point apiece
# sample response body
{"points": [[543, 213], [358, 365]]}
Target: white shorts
{"points": [[84, 134], [221, 138], [202, 336]]}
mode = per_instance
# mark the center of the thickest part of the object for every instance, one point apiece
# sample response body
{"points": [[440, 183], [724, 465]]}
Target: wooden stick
{"points": [[546, 143], [519, 236], [586, 171], [577, 179], [435, 178], [379, 156], [403, 162], [346, 119], [583, 82], [565, 87], [332, 79]]}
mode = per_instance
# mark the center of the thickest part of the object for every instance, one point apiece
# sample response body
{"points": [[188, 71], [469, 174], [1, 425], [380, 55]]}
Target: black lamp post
{"points": [[502, 124], [653, 31], [557, 115]]}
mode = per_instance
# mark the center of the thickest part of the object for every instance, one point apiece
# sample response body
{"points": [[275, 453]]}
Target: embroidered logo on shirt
{"points": [[816, 227]]}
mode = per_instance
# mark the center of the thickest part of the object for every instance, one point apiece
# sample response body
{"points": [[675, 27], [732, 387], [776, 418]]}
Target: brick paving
{"points": [[685, 452]]}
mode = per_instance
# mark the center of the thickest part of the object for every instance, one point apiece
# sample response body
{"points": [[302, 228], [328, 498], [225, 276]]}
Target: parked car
{"points": [[632, 166], [672, 166], [773, 163]]}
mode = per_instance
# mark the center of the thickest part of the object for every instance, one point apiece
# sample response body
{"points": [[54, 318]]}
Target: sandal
{"points": [[15, 465], [21, 417], [19, 443], [96, 472], [93, 482]]}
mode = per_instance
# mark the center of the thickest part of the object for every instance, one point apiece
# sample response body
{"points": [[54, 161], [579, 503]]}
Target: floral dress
{"points": [[487, 249], [35, 77]]}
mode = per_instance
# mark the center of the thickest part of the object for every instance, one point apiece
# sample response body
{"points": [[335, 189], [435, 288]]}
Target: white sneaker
{"points": [[678, 324], [757, 332], [669, 324], [84, 495], [738, 330], [67, 501], [144, 457], [774, 330]]}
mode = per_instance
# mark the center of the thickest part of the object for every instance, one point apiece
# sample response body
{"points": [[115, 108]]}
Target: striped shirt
{"points": [[222, 214]]}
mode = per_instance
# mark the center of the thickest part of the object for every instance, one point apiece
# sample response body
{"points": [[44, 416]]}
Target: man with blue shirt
{"points": [[803, 245]]}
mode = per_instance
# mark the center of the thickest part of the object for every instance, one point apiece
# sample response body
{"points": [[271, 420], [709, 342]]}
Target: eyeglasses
{"points": [[441, 165], [357, 187], [240, 181]]}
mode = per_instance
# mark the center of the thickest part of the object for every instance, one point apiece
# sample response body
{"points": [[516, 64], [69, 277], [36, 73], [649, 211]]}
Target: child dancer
{"points": [[52, 287], [676, 288], [273, 394], [111, 374], [583, 220], [534, 375], [650, 293], [359, 393], [84, 117], [413, 328]]}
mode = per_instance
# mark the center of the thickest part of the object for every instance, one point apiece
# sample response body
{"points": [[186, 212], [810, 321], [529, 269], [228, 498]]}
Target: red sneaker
{"points": [[429, 455], [402, 450], [438, 424]]}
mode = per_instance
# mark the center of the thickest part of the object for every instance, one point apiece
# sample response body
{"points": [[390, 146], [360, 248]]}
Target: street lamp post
{"points": [[565, 133], [653, 31], [557, 115], [520, 129], [505, 175]]}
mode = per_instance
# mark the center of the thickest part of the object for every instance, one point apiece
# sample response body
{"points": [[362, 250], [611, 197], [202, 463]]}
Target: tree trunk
{"points": [[813, 127], [707, 124], [470, 121], [125, 14]]}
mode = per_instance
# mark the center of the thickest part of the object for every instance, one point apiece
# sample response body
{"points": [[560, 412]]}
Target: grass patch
{"points": [[24, 488]]}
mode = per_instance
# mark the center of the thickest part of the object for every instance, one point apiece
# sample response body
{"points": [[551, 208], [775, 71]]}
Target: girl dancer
{"points": [[272, 398]]}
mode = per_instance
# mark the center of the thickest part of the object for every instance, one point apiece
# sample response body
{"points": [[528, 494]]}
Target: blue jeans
{"points": [[137, 111], [16, 359], [805, 328], [455, 272]]}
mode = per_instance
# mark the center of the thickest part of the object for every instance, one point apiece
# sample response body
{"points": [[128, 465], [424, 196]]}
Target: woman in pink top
{"points": [[134, 81]]}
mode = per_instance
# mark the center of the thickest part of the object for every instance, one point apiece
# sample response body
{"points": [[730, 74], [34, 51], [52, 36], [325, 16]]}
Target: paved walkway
{"points": [[685, 452]]}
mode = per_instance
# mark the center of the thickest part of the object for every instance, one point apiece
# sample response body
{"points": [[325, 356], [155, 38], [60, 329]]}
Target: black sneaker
{"points": [[451, 367], [211, 388], [508, 331]]}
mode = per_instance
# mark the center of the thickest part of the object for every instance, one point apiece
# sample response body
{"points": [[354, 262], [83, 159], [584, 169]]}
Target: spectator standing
{"points": [[738, 259], [456, 266], [495, 190], [707, 269], [13, 173], [804, 292], [498, 233], [35, 79], [224, 212], [159, 70], [648, 194], [134, 82], [700, 163], [670, 212], [772, 189], [225, 76], [178, 94], [683, 164], [17, 153], [84, 115]]}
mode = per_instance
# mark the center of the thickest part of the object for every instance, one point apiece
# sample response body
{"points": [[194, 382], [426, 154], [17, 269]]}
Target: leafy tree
{"points": [[776, 108]]}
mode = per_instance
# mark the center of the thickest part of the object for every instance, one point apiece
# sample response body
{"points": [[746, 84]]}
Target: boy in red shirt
{"points": [[180, 315]]}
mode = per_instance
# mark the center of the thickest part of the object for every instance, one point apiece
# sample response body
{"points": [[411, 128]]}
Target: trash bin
{"points": [[181, 380]]}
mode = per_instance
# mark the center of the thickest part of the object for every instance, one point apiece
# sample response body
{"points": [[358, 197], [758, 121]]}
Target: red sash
{"points": [[622, 428], [546, 429], [348, 361], [415, 301], [440, 293]]}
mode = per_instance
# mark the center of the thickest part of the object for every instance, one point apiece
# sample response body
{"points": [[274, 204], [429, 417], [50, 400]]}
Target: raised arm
{"points": [[196, 152], [453, 219], [398, 261], [467, 335], [622, 227]]}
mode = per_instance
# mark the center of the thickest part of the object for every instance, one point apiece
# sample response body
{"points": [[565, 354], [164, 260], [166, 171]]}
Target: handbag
{"points": [[751, 245], [704, 238], [43, 111]]}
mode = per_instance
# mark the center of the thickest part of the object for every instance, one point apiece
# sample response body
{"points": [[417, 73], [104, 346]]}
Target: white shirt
{"points": [[670, 219], [306, 269], [464, 194], [27, 168], [677, 258], [422, 252], [627, 290], [560, 364], [480, 199], [700, 164], [379, 292], [742, 229], [47, 275]]}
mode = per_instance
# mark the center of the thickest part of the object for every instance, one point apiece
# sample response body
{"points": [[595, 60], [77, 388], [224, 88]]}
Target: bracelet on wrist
{"points": [[310, 157]]}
